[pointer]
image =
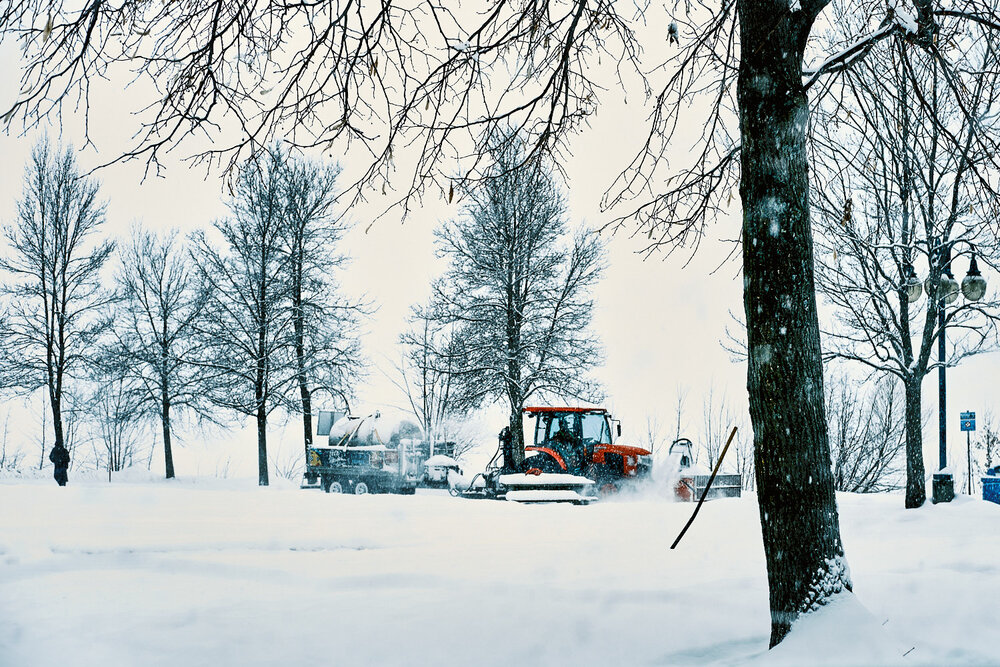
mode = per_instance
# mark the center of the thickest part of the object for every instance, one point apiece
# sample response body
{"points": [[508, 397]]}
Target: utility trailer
{"points": [[363, 455]]}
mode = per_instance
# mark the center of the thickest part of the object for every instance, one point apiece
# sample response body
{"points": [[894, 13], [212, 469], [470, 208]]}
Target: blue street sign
{"points": [[968, 420]]}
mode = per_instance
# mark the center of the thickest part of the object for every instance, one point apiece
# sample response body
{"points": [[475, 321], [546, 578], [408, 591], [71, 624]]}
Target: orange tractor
{"points": [[572, 459], [579, 441]]}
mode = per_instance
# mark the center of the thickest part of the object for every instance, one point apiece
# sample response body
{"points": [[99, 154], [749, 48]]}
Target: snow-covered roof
{"points": [[378, 428]]}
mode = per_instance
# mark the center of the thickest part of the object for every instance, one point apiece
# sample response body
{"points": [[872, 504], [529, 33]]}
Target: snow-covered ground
{"points": [[221, 572]]}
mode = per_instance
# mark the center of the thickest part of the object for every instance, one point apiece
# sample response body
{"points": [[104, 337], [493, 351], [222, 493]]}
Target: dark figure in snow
{"points": [[60, 459], [569, 447]]}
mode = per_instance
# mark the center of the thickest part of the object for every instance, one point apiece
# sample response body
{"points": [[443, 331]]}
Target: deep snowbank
{"points": [[220, 572]]}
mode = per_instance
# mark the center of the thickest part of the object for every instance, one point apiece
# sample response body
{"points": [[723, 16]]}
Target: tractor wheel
{"points": [[336, 487], [360, 489]]}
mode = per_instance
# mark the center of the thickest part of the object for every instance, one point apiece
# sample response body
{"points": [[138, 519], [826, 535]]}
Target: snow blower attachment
{"points": [[572, 459], [689, 480]]}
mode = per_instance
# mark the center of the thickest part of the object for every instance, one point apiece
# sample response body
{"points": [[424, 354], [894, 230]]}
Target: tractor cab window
{"points": [[552, 428], [595, 429], [561, 432]]}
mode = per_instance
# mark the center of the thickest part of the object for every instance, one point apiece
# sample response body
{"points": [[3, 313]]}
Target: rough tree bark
{"points": [[916, 487], [514, 306], [168, 453], [297, 268], [262, 479], [801, 529], [260, 398], [305, 396]]}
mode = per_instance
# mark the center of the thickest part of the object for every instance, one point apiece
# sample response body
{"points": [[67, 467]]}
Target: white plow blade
{"points": [[549, 480], [546, 488], [547, 496]]}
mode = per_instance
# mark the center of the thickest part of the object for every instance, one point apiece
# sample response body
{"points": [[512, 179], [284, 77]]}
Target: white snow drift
{"points": [[224, 573]]}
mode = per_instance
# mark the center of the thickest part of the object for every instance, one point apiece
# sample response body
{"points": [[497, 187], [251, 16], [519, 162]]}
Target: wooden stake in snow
{"points": [[708, 486]]}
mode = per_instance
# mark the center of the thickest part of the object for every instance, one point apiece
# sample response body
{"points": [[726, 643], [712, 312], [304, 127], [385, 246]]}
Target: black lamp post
{"points": [[973, 288]]}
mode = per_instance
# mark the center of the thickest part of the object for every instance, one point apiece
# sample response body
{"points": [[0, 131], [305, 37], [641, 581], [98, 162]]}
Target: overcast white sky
{"points": [[661, 319]]}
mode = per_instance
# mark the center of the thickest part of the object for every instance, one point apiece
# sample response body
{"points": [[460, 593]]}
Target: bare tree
{"points": [[679, 427], [157, 346], [42, 438], [75, 418], [10, 459], [286, 462], [324, 324], [744, 454], [902, 168], [115, 414], [427, 375], [652, 438], [520, 301], [436, 82], [718, 419], [53, 269], [867, 434], [716, 424], [246, 333]]}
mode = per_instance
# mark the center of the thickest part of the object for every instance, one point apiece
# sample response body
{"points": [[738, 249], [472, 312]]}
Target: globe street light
{"points": [[912, 286], [974, 285], [973, 288]]}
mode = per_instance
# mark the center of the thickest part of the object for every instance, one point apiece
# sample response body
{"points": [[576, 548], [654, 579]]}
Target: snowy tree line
{"points": [[129, 338], [240, 319]]}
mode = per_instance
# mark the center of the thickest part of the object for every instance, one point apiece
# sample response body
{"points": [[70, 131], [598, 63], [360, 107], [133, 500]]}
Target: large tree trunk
{"points": [[168, 455], [517, 437], [261, 445], [168, 452], [916, 486], [260, 398], [306, 398], [261, 379], [55, 401], [305, 395], [798, 510]]}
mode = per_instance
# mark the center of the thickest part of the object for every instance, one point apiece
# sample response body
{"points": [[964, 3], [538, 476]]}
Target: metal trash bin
{"points": [[991, 485], [943, 488]]}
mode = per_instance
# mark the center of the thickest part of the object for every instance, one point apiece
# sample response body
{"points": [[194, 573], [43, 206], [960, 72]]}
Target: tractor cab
{"points": [[568, 437]]}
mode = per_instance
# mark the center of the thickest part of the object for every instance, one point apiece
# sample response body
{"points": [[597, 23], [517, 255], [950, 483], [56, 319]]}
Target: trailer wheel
{"points": [[360, 489], [336, 487]]}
